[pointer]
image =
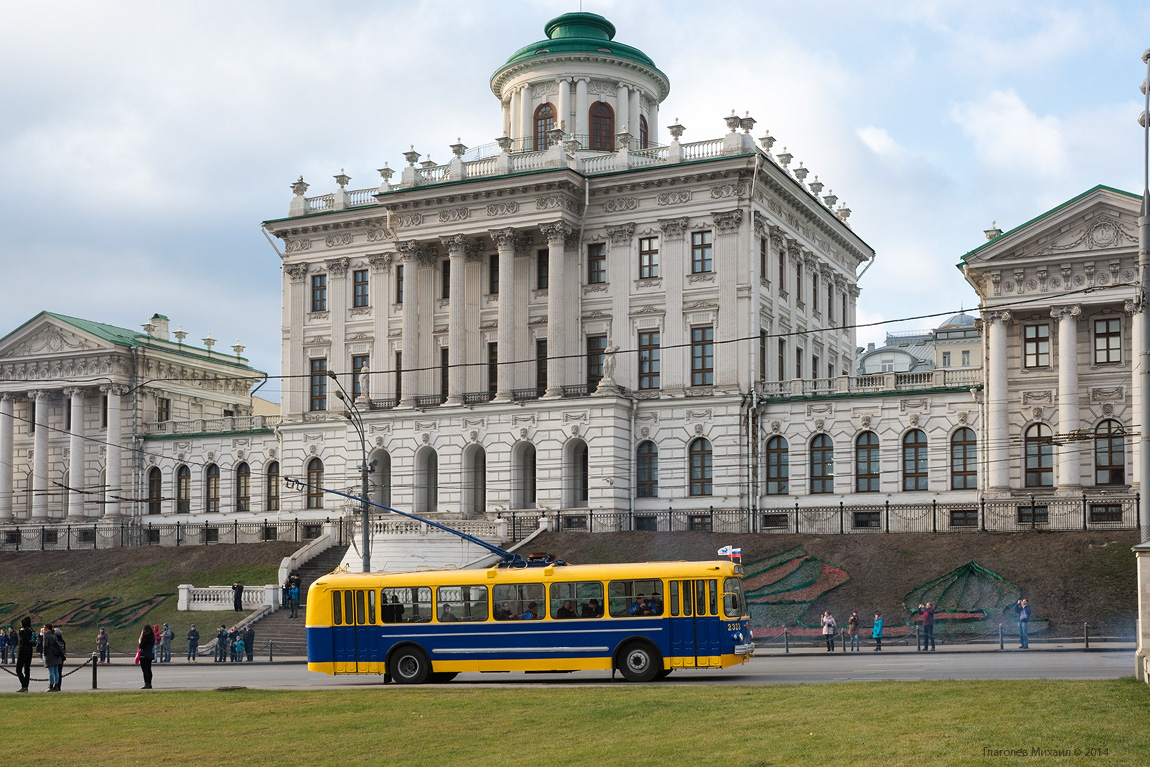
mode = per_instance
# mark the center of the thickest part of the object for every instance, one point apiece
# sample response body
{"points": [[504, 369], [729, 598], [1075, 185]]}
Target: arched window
{"points": [[644, 136], [183, 490], [963, 452], [155, 490], [1109, 454], [544, 122], [273, 486], [866, 463], [914, 460], [602, 120], [523, 476], [822, 464], [426, 480], [700, 457], [212, 488], [474, 480], [647, 470], [1039, 456], [576, 478], [243, 487], [778, 466], [315, 482]]}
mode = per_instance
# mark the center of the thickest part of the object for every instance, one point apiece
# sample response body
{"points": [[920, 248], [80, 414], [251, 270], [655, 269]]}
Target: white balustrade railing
{"points": [[213, 425], [963, 376], [321, 203], [362, 197], [527, 161], [599, 163], [876, 382], [913, 380], [434, 174], [699, 150], [479, 528], [222, 598], [479, 168]]}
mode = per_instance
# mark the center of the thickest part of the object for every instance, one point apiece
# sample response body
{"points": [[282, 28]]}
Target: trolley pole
{"points": [[1144, 290]]}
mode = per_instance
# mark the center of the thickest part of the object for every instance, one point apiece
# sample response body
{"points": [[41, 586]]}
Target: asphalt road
{"points": [[802, 667]]}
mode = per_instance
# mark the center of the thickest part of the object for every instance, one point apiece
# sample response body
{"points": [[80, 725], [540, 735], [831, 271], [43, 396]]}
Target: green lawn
{"points": [[877, 723]]}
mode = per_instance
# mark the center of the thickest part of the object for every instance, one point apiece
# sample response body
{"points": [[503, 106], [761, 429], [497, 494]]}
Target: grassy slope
{"points": [[861, 724]]}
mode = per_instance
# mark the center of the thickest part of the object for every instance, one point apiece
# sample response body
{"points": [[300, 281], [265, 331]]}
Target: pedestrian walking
{"points": [[54, 656], [237, 596], [927, 613], [829, 630], [146, 646], [102, 645], [250, 642], [853, 630], [166, 637], [1022, 608], [222, 644], [193, 643], [25, 643], [876, 632], [3, 647], [293, 600]]}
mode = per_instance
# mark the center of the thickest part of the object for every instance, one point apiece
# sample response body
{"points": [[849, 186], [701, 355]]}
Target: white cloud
{"points": [[878, 141], [1011, 139]]}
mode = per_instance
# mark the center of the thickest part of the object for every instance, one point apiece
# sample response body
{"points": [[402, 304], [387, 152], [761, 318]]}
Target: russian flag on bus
{"points": [[729, 551]]}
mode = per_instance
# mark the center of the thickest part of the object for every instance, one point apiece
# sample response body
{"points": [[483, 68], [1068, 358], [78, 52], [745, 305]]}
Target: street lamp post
{"points": [[1144, 277], [355, 418]]}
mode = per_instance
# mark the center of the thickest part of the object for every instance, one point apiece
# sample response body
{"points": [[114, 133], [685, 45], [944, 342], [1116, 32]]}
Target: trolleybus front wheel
{"points": [[639, 662], [409, 665]]}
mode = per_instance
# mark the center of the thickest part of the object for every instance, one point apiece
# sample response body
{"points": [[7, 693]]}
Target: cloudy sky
{"points": [[142, 143]]}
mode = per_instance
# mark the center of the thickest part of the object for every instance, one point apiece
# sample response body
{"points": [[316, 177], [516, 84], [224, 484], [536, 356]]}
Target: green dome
{"points": [[578, 33]]}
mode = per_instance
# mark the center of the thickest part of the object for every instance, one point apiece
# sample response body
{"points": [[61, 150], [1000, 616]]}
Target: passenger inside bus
{"points": [[448, 614], [532, 612], [592, 609], [566, 611], [503, 612]]}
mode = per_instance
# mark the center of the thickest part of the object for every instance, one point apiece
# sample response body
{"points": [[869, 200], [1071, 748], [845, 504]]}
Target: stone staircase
{"points": [[288, 635]]}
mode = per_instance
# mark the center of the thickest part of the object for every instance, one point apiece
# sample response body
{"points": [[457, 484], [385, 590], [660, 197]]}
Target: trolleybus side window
{"points": [[713, 590], [461, 603], [700, 598], [733, 603], [685, 588], [635, 598], [349, 607], [336, 609], [360, 609], [519, 601], [583, 599], [405, 604]]}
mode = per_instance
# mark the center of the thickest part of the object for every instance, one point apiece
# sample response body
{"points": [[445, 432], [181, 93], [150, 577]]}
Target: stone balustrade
{"points": [[941, 378], [221, 598], [213, 425]]}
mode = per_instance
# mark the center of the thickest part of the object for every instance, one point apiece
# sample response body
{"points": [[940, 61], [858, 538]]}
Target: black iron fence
{"points": [[106, 535], [1062, 513]]}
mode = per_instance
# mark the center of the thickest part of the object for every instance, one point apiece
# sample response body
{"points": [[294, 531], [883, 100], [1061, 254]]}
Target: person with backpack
{"points": [[166, 637]]}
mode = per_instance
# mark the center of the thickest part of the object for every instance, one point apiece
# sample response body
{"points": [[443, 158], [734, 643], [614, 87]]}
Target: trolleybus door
{"points": [[354, 643], [682, 624], [707, 645]]}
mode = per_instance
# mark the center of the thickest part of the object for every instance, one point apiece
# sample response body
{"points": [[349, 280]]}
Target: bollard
{"points": [[844, 636], [917, 645], [786, 641], [271, 651], [1001, 645], [1086, 634], [95, 664]]}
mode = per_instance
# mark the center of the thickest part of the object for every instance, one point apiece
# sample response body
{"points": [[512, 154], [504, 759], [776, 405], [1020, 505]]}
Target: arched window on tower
{"points": [[644, 135], [315, 484], [544, 122], [1039, 447], [1109, 454], [602, 126], [155, 490]]}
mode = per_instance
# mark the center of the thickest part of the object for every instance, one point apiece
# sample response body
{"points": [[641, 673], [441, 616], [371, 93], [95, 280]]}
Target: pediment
{"points": [[1102, 223], [47, 337]]}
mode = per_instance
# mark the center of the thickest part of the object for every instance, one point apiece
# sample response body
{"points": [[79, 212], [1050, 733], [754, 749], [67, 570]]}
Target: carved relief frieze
{"points": [[337, 240], [621, 235], [559, 201], [379, 235], [451, 215], [677, 197], [296, 246], [406, 220], [620, 204], [502, 208], [728, 190]]}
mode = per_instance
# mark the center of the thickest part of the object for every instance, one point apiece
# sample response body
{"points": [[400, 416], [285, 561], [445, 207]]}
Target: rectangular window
{"points": [[966, 358], [763, 257], [703, 356], [104, 411], [595, 347], [399, 375], [647, 522], [699, 523], [492, 367], [776, 522], [319, 292], [461, 603], [1036, 346], [799, 287], [1107, 341], [814, 293], [700, 252], [318, 385], [1105, 512], [519, 601], [596, 264], [359, 288], [405, 604], [577, 600], [541, 364], [358, 383], [493, 274], [782, 271], [1033, 515], [830, 303], [444, 372], [163, 409], [762, 356], [649, 360], [815, 365], [946, 359], [648, 257], [445, 278], [399, 283], [967, 517], [637, 598], [782, 359], [798, 362], [542, 264], [844, 314], [867, 520]]}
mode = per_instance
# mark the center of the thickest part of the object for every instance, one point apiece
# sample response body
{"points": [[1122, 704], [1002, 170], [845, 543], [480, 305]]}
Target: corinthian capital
{"points": [[1057, 312], [504, 239], [557, 233], [456, 245]]}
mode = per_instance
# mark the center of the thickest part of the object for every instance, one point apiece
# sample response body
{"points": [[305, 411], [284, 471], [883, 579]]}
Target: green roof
{"points": [[1040, 216], [578, 33]]}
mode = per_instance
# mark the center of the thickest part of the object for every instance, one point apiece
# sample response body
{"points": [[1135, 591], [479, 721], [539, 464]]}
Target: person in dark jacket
{"points": [[24, 653], [238, 596], [147, 645], [193, 643], [249, 642], [927, 614], [222, 644], [1022, 608], [53, 657]]}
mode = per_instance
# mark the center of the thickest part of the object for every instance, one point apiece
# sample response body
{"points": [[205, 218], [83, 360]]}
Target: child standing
{"points": [[876, 633]]}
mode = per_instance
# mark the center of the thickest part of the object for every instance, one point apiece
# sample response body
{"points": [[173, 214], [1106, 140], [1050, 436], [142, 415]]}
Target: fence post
{"points": [[18, 537], [917, 643], [1138, 511], [177, 533], [95, 657], [711, 516], [843, 634], [630, 519], [786, 640], [271, 652], [796, 517], [842, 528], [68, 538], [1084, 510], [1086, 634], [295, 532], [982, 503], [590, 520], [235, 531], [95, 537], [1001, 644], [1033, 525], [888, 515], [934, 515], [43, 535]]}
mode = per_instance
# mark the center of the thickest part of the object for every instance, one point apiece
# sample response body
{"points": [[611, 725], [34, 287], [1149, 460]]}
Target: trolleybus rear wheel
{"points": [[639, 662], [409, 665]]}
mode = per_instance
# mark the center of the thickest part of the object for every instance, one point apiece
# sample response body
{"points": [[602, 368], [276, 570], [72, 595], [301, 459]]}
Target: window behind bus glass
{"points": [[336, 609], [519, 601], [586, 598], [405, 604], [733, 604], [635, 598], [467, 603], [713, 590]]}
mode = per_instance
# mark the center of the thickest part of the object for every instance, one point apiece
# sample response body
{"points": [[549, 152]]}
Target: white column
{"points": [[623, 109], [112, 454], [633, 118], [1137, 360], [6, 456], [407, 257], [557, 318], [997, 411], [294, 318], [457, 323], [514, 121], [526, 131], [508, 327], [76, 481], [1069, 470], [653, 123], [40, 456], [581, 106], [564, 119], [506, 124], [725, 255], [379, 298]]}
